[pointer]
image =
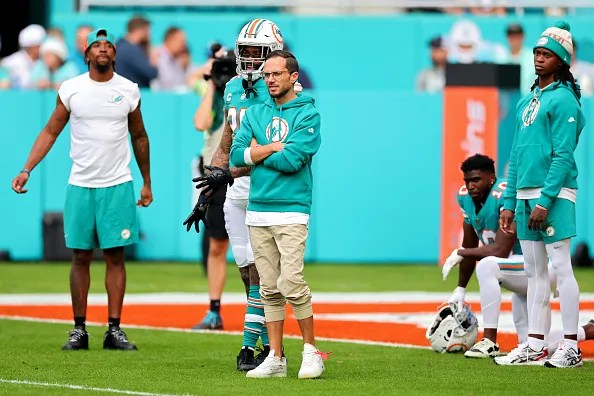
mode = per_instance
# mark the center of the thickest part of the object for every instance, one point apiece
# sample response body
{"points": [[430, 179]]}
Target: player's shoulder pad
{"points": [[462, 195], [500, 185], [462, 190], [233, 83]]}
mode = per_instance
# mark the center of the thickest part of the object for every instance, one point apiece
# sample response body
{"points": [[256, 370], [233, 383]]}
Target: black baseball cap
{"points": [[514, 28], [436, 42]]}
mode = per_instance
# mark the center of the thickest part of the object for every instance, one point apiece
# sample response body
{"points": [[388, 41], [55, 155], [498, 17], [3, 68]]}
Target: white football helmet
{"points": [[261, 33], [453, 331]]}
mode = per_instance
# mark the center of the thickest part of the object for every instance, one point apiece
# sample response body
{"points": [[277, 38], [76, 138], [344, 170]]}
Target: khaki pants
{"points": [[278, 253]]}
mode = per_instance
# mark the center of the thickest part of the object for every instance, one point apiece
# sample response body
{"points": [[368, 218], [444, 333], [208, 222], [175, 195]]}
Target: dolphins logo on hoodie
{"points": [[277, 130]]}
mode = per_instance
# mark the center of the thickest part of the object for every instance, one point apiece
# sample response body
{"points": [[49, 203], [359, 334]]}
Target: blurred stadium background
{"points": [[380, 197]]}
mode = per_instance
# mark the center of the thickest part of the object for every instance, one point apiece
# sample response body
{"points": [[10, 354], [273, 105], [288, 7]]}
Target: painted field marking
{"points": [[85, 388]]}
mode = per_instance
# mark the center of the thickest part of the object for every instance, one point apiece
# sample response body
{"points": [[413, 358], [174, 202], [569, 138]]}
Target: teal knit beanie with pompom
{"points": [[557, 39]]}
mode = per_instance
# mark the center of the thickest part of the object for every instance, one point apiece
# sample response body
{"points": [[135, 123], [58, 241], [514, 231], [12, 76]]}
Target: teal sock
{"points": [[254, 318], [264, 335]]}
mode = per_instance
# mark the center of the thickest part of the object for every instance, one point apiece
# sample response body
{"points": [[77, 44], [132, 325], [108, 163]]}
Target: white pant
{"points": [[235, 211], [494, 273]]}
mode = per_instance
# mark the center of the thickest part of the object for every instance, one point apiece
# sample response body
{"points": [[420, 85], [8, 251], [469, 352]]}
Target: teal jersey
{"points": [[486, 222], [236, 101]]}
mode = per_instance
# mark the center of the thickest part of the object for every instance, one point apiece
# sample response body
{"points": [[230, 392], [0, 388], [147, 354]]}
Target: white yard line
{"points": [[85, 388], [239, 298]]}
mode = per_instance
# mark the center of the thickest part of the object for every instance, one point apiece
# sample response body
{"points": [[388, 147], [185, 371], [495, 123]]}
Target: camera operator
{"points": [[209, 119]]}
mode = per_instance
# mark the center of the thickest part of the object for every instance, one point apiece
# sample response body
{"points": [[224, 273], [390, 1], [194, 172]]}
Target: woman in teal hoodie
{"points": [[278, 139], [541, 194]]}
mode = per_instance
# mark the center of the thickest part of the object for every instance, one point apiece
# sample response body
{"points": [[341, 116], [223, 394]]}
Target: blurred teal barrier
{"points": [[376, 176]]}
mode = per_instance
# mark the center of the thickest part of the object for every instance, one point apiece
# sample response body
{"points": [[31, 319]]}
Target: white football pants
{"points": [[235, 212]]}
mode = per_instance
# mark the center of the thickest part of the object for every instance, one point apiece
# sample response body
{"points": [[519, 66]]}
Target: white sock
{"points": [[569, 292], [556, 336], [487, 274], [536, 343], [539, 286]]}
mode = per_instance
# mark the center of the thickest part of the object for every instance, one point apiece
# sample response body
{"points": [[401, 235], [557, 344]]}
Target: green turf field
{"points": [[200, 364], [177, 363], [186, 277]]}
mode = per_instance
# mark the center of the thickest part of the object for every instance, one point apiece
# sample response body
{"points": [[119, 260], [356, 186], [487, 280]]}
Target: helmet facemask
{"points": [[248, 64]]}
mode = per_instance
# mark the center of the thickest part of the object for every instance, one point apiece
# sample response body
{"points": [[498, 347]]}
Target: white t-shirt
{"points": [[266, 219], [99, 145], [19, 66]]}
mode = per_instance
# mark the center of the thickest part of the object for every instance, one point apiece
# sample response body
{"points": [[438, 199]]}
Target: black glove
{"points": [[217, 177], [198, 213]]}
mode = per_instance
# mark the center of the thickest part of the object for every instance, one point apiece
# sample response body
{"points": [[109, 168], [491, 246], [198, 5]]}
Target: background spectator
{"points": [[583, 72], [173, 61], [432, 79], [82, 31], [466, 45], [53, 68], [20, 64], [4, 75], [196, 75], [56, 33], [517, 53], [134, 59]]}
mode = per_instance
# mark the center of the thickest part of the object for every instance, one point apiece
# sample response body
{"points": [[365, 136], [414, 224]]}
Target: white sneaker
{"points": [[272, 366], [523, 355], [485, 348], [312, 365], [565, 357]]}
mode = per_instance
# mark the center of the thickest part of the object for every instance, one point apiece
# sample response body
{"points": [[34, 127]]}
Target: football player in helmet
{"points": [[255, 41], [500, 261]]}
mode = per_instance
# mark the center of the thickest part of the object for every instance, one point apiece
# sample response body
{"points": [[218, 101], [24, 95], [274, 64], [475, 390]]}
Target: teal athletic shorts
{"points": [[100, 217], [559, 224]]}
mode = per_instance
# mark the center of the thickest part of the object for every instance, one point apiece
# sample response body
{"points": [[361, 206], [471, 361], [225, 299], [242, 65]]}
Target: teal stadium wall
{"points": [[377, 175]]}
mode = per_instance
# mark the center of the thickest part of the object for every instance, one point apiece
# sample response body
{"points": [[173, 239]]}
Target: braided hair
{"points": [[564, 75]]}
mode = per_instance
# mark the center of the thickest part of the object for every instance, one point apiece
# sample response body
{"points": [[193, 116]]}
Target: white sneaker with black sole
{"points": [[483, 349], [565, 357], [271, 367], [523, 355]]}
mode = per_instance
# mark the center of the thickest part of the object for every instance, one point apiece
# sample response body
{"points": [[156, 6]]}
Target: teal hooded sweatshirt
{"points": [[282, 182], [548, 126]]}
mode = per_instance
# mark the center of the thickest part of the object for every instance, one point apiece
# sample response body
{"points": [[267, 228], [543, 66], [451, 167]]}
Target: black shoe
{"points": [[77, 339], [245, 360], [116, 339], [264, 352]]}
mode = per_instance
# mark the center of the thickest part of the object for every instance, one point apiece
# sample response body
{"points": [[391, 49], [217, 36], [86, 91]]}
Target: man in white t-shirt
{"points": [[100, 211]]}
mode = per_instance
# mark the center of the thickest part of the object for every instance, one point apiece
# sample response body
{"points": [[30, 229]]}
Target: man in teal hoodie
{"points": [[541, 194], [278, 139]]}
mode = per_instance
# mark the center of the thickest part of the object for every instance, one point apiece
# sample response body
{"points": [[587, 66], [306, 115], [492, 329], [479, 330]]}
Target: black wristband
{"points": [[27, 171]]}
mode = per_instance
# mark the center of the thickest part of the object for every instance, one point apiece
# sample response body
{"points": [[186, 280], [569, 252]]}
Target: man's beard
{"points": [[280, 94], [103, 68]]}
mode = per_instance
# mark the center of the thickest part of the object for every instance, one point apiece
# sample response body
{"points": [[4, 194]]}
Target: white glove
{"points": [[453, 260], [457, 297]]}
